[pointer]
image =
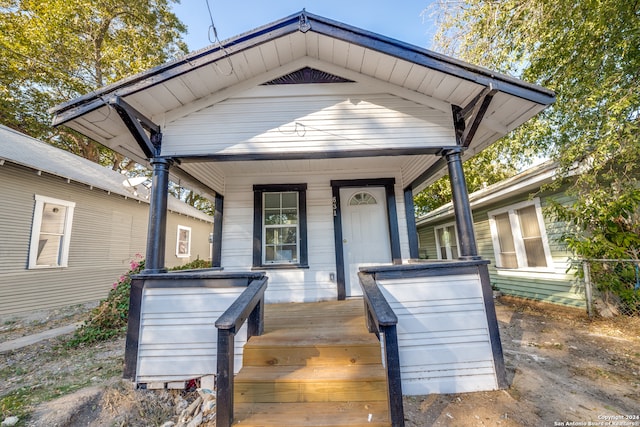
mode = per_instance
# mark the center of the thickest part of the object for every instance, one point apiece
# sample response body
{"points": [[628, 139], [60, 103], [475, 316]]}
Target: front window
{"points": [[50, 233], [280, 214], [447, 242], [280, 221], [519, 236]]}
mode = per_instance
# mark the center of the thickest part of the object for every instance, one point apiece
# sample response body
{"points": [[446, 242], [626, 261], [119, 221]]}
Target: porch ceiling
{"points": [[219, 72]]}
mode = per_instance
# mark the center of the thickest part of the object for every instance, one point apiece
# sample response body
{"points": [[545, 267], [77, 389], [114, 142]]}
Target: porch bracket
{"points": [[472, 113], [138, 125]]}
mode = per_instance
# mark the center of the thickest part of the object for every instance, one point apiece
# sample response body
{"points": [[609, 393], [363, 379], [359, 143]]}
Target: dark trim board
{"points": [[337, 238], [313, 155], [392, 218], [492, 322]]}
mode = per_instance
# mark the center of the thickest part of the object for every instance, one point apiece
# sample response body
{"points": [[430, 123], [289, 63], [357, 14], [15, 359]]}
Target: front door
{"points": [[365, 232]]}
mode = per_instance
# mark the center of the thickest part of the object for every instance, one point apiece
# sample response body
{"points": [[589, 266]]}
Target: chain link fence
{"points": [[612, 286]]}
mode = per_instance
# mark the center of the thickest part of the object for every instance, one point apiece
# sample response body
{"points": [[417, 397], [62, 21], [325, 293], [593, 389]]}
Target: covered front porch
{"points": [[417, 329]]}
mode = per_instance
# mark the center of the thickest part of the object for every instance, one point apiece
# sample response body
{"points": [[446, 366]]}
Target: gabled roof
{"points": [[20, 149], [523, 183], [300, 41]]}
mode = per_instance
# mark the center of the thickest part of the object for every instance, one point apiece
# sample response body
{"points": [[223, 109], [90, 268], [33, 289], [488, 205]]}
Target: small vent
{"points": [[307, 75]]}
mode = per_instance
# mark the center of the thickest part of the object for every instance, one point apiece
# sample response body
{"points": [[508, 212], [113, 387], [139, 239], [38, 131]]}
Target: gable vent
{"points": [[307, 75]]}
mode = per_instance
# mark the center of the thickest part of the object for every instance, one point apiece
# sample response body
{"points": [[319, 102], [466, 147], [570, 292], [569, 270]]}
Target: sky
{"points": [[399, 19]]}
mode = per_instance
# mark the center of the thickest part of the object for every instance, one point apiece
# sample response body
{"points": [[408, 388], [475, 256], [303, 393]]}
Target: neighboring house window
{"points": [[447, 241], [183, 244], [280, 235], [50, 233], [519, 237]]}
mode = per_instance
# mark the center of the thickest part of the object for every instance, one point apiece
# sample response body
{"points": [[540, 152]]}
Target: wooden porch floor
{"points": [[315, 365]]}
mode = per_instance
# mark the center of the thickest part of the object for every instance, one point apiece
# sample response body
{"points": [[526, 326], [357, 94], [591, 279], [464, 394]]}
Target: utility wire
{"points": [[215, 40]]}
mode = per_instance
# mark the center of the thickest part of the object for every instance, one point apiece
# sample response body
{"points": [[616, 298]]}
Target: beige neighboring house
{"points": [[70, 227]]}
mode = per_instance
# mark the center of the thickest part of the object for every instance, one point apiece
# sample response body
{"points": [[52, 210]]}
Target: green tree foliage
{"points": [[467, 32], [55, 50], [588, 51]]}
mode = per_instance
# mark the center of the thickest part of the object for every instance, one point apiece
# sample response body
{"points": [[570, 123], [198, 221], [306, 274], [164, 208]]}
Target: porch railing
{"points": [[248, 307], [382, 321]]}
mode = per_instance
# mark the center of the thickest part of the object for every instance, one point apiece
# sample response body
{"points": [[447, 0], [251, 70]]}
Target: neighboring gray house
{"points": [[514, 234], [69, 227]]}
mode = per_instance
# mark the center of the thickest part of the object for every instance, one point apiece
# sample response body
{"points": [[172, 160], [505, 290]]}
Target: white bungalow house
{"points": [[316, 135]]}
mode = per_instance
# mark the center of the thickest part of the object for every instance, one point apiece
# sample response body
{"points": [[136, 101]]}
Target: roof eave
{"points": [[77, 107]]}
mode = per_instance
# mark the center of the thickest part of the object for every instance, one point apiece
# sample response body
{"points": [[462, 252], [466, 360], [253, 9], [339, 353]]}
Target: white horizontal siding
{"points": [[313, 123], [178, 337], [296, 285], [443, 335]]}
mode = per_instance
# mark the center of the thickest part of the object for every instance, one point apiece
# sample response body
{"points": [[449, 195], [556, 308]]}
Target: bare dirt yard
{"points": [[563, 369]]}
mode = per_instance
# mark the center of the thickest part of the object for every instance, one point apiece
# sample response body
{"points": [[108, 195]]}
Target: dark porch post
{"points": [[216, 248], [157, 232], [461, 206]]}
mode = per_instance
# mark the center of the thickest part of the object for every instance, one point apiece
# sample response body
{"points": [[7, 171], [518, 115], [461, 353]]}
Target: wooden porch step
{"points": [[314, 414], [311, 384], [304, 353], [315, 365]]}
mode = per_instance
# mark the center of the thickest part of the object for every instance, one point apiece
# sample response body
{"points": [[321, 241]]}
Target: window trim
{"points": [[258, 227], [514, 221], [178, 254], [36, 225], [448, 248]]}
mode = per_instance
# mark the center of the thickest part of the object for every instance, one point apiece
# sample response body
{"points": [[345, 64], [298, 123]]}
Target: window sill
{"points": [[46, 267], [280, 267]]}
